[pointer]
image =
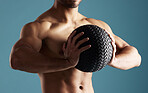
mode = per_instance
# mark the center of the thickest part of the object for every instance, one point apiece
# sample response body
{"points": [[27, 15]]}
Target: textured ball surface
{"points": [[100, 53]]}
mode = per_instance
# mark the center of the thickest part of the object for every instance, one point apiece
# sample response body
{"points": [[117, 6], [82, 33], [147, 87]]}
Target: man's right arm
{"points": [[25, 54]]}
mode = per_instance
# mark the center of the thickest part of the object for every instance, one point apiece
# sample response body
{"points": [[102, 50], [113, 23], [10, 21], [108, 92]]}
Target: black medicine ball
{"points": [[100, 53]]}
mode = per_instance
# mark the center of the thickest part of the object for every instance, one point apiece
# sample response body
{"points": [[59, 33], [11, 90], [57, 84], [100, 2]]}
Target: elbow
{"points": [[138, 58], [14, 58], [138, 61], [14, 64], [137, 64], [135, 60], [125, 68]]}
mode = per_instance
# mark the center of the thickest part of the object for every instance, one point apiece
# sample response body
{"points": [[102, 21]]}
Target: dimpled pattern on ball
{"points": [[100, 53]]}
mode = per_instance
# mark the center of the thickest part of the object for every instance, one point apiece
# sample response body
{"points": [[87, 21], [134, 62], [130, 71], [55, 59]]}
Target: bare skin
{"points": [[67, 81], [41, 49]]}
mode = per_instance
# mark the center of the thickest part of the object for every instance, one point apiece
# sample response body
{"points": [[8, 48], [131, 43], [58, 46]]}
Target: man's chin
{"points": [[71, 6]]}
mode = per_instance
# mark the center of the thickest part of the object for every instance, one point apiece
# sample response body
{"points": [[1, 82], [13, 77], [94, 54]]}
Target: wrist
{"points": [[69, 64]]}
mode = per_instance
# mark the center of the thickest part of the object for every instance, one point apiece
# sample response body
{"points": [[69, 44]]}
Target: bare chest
{"points": [[55, 37], [68, 80]]}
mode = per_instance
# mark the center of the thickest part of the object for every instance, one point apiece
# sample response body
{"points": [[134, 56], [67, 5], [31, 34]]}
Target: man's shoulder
{"points": [[92, 20], [38, 25], [36, 28], [30, 27], [97, 22]]}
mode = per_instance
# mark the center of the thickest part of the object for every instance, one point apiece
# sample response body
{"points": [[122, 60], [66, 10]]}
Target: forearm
{"points": [[28, 60], [127, 58]]}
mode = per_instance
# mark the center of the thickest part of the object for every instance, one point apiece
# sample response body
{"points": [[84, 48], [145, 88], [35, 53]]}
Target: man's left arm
{"points": [[126, 56]]}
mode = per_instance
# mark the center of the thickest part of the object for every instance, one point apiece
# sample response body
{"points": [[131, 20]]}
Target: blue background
{"points": [[127, 18]]}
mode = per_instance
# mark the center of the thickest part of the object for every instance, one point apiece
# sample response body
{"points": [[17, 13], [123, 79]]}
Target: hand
{"points": [[71, 51], [114, 48]]}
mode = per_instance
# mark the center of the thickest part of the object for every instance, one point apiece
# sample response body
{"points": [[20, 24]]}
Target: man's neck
{"points": [[65, 14]]}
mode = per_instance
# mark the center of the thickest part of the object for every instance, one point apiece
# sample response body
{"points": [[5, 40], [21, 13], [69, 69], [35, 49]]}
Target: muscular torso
{"points": [[53, 35]]}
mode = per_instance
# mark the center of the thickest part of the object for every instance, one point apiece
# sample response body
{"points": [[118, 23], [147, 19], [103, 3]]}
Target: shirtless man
{"points": [[41, 49]]}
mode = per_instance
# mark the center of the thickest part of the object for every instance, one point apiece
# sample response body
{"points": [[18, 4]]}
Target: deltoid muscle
{"points": [[100, 53]]}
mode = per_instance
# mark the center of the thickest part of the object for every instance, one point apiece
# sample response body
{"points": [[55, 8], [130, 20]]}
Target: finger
{"points": [[113, 55], [81, 42], [84, 48], [70, 38], [114, 51], [112, 38], [76, 37], [71, 35], [114, 46]]}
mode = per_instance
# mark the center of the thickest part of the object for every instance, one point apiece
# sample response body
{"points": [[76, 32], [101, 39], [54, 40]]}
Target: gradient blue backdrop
{"points": [[127, 18]]}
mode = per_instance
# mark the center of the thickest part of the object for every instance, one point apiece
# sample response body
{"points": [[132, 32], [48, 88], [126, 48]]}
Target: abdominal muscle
{"points": [[68, 81]]}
